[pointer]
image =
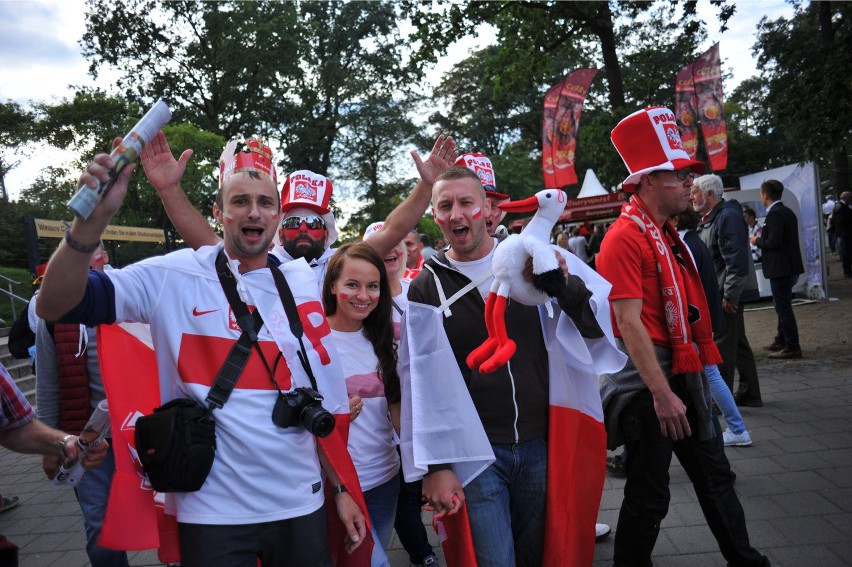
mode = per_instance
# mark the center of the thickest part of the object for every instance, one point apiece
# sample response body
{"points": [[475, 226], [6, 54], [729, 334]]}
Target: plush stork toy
{"points": [[510, 259]]}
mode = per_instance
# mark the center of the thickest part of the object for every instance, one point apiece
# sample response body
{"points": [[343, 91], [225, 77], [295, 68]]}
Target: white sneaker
{"points": [[601, 531], [736, 440]]}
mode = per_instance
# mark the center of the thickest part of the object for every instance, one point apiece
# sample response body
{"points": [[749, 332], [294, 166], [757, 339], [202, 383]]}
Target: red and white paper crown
{"points": [[256, 157], [305, 188], [481, 166], [649, 140]]}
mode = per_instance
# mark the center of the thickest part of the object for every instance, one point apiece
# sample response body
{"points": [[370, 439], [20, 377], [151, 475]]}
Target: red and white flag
{"points": [[135, 517]]}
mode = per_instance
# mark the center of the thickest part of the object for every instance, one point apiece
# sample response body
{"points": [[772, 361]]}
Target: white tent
{"points": [[591, 186]]}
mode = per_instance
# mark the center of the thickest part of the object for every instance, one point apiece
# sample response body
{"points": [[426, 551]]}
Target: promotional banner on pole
{"points": [[685, 111], [551, 101], [707, 76], [560, 138]]}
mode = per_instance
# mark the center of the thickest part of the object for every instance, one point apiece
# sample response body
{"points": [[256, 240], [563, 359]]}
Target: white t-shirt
{"points": [[577, 245], [400, 306], [371, 434], [476, 269], [262, 472]]}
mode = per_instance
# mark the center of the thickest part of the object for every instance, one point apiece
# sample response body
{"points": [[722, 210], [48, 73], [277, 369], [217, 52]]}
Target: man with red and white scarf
{"points": [[658, 405]]}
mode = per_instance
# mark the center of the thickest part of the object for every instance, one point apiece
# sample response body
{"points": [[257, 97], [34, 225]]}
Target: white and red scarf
{"points": [[684, 301]]}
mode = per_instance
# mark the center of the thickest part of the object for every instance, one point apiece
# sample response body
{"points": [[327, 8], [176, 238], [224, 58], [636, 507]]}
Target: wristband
{"points": [[79, 246], [63, 451], [338, 489]]}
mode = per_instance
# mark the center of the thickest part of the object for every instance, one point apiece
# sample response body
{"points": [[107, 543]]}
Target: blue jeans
{"points": [[724, 399], [506, 505], [646, 492], [782, 299], [381, 505], [409, 523], [92, 493]]}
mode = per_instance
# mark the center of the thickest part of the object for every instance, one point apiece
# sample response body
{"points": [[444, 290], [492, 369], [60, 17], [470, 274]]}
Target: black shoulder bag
{"points": [[177, 443]]}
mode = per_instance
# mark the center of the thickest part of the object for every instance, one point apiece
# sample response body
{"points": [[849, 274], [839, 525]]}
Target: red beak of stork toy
{"points": [[510, 259]]}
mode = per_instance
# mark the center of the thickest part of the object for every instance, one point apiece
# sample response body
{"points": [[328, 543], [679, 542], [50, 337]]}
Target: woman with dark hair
{"points": [[358, 305]]}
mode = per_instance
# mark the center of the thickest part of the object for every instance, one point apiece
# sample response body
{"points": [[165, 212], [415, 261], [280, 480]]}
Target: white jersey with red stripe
{"points": [[262, 472]]}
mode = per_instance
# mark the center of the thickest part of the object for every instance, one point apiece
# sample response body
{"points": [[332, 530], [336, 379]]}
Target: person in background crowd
{"points": [[577, 244], [827, 209], [686, 222], [68, 389], [754, 229], [782, 264], [842, 218], [725, 233], [427, 251]]}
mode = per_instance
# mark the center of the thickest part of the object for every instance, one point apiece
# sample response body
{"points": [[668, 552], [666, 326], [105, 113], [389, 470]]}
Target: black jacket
{"points": [[779, 241]]}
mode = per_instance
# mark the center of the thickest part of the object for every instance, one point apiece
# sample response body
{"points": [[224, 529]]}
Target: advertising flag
{"points": [[685, 110], [707, 76], [560, 126], [551, 101]]}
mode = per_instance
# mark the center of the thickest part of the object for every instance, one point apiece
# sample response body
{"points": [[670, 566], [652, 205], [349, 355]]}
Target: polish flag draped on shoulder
{"points": [[439, 423]]}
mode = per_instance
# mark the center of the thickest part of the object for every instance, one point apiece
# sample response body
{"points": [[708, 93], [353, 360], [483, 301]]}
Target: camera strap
{"points": [[289, 303], [250, 324]]}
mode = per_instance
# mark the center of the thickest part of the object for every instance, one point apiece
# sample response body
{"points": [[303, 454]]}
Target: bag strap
{"points": [[289, 303], [238, 357]]}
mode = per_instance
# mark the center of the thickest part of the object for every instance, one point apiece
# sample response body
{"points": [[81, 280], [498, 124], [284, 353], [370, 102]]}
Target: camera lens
{"points": [[317, 420]]}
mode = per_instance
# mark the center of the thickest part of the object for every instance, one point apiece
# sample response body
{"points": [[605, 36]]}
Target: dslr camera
{"points": [[303, 406]]}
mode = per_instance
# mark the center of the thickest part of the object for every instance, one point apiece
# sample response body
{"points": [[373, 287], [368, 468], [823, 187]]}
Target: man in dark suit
{"points": [[782, 264]]}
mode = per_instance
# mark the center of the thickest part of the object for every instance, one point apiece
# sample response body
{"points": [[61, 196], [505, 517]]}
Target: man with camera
{"points": [[262, 498]]}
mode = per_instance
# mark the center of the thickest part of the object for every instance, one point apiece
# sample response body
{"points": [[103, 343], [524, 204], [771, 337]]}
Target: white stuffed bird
{"points": [[510, 259]]}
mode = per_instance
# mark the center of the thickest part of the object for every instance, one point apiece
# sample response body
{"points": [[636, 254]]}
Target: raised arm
{"points": [[165, 173], [67, 272], [408, 213]]}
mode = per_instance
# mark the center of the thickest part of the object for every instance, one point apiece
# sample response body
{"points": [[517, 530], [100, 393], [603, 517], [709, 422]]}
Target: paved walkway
{"points": [[795, 484]]}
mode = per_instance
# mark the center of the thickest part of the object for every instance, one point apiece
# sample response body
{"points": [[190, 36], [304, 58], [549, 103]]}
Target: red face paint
{"points": [[477, 212], [229, 218], [343, 295]]}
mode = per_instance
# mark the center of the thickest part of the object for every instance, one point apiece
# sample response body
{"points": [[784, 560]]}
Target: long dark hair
{"points": [[378, 326]]}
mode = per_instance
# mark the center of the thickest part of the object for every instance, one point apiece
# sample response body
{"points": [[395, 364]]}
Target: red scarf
{"points": [[687, 315]]}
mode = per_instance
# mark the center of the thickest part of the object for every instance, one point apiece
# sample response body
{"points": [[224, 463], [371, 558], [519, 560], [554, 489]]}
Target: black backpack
{"points": [[21, 337]]}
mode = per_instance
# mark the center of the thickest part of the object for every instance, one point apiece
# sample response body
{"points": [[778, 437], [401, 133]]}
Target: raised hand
{"points": [[442, 156], [161, 168]]}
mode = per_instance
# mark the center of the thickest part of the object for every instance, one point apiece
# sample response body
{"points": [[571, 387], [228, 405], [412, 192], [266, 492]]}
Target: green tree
{"points": [[532, 35], [227, 67], [372, 135], [807, 63], [282, 69], [351, 52], [16, 124]]}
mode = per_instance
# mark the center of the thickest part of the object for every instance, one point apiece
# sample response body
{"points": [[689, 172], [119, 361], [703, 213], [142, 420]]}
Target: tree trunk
{"points": [[602, 26]]}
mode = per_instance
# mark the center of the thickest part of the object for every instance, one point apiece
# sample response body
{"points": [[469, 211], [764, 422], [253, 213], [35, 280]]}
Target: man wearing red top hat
{"points": [[308, 225], [659, 404]]}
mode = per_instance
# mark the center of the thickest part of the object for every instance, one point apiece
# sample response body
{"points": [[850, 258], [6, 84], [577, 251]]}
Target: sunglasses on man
{"points": [[681, 174], [296, 221]]}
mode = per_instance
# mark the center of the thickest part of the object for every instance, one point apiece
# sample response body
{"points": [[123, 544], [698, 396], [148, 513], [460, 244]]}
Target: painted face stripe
{"points": [[477, 212], [228, 217]]}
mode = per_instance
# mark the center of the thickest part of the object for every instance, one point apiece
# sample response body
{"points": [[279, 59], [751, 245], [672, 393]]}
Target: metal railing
{"points": [[12, 295]]}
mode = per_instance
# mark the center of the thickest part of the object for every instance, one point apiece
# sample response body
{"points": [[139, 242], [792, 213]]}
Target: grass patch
{"points": [[23, 289]]}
